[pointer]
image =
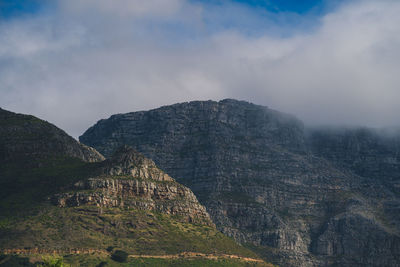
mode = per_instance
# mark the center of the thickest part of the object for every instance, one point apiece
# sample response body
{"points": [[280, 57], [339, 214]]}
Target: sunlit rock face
{"points": [[127, 161], [130, 180], [268, 181]]}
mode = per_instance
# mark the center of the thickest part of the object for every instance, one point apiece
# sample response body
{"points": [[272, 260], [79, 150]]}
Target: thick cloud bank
{"points": [[80, 61]]}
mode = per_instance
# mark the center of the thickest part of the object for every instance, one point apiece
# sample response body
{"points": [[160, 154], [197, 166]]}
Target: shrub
{"points": [[53, 262], [119, 256], [14, 261]]}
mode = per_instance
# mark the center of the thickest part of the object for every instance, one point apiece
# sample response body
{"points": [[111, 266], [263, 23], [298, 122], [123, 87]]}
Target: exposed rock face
{"points": [[367, 152], [131, 180], [27, 137], [263, 183], [126, 161]]}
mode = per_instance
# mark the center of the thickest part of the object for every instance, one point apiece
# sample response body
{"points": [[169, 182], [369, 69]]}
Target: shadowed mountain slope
{"points": [[25, 137], [36, 158]]}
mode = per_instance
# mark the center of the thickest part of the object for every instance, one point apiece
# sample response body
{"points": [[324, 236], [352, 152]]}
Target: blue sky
{"points": [[252, 17], [11, 8], [14, 8], [300, 7], [257, 17]]}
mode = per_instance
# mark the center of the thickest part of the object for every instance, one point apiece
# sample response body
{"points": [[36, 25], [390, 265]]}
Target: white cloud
{"points": [[90, 59]]}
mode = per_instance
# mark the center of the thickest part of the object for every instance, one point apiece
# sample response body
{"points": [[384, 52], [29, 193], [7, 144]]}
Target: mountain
{"points": [[59, 196], [298, 196], [36, 157], [25, 137]]}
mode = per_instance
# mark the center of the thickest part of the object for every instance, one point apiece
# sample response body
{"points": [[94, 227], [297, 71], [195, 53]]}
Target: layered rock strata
{"points": [[129, 180]]}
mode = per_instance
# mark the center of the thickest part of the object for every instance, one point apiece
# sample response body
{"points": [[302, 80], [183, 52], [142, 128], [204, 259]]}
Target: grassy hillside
{"points": [[25, 185], [37, 158], [102, 260], [97, 234], [134, 231]]}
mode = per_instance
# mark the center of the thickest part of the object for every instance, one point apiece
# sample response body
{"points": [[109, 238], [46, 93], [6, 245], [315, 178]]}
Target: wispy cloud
{"points": [[85, 60]]}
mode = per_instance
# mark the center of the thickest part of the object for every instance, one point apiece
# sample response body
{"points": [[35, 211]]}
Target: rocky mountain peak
{"points": [[129, 179], [128, 162], [129, 157]]}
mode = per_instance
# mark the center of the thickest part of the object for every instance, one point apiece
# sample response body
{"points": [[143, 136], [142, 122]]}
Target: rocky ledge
{"points": [[129, 180]]}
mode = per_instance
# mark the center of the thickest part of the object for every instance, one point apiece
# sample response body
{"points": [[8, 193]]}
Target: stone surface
{"points": [[127, 161], [367, 152], [130, 180], [268, 181]]}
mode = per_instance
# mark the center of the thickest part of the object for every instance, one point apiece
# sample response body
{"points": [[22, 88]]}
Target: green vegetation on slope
{"points": [[134, 231], [37, 159], [24, 187], [102, 260]]}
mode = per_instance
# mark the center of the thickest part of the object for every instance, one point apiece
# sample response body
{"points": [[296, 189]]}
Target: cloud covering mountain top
{"points": [[79, 61]]}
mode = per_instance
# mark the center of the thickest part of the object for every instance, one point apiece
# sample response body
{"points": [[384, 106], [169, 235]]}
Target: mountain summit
{"points": [[127, 161]]}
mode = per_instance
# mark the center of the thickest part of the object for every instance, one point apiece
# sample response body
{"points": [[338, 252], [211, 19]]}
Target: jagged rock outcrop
{"points": [[126, 161], [263, 183], [25, 137], [130, 180]]}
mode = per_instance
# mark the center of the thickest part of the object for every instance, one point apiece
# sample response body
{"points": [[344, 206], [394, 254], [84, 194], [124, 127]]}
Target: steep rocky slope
{"points": [[263, 183], [367, 152], [129, 180]]}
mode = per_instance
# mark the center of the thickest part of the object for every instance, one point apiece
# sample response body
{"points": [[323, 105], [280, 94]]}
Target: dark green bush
{"points": [[14, 261], [119, 256], [53, 261], [102, 264]]}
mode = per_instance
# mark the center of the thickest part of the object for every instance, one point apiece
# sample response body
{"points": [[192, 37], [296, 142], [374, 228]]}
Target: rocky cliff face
{"points": [[263, 183], [367, 152], [25, 137], [130, 180]]}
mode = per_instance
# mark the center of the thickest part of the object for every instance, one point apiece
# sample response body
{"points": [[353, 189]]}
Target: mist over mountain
{"points": [[72, 62]]}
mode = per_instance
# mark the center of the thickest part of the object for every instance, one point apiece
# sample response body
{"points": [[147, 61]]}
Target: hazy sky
{"points": [[73, 62]]}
